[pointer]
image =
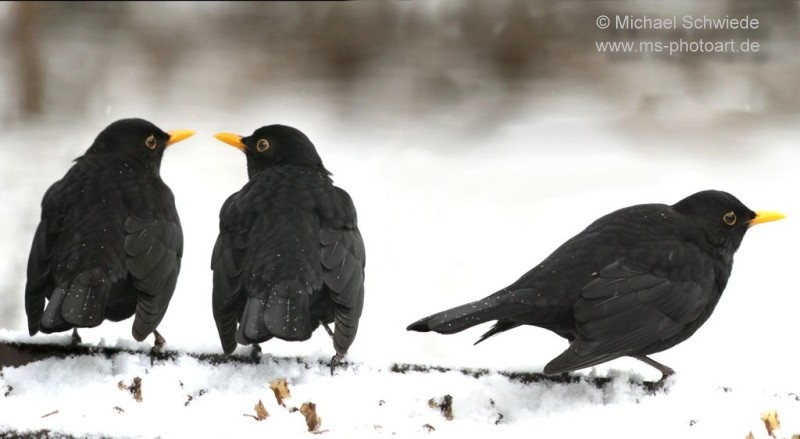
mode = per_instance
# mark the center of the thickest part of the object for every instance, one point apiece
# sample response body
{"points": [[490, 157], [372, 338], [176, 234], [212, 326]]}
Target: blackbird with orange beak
{"points": [[109, 243], [289, 256], [635, 282]]}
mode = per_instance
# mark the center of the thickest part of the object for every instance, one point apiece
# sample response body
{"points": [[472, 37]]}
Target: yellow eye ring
{"points": [[729, 218], [151, 141], [262, 145]]}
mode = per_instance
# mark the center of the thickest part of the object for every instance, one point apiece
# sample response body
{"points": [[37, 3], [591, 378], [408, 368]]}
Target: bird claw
{"points": [[661, 384], [665, 370], [335, 361], [158, 347]]}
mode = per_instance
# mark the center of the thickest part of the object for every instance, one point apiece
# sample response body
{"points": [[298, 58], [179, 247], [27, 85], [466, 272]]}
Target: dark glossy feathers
{"points": [[289, 255], [108, 246]]}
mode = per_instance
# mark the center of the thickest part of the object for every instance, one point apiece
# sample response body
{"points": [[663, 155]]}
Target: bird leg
{"points": [[76, 339], [336, 359], [255, 354], [665, 370], [327, 328]]}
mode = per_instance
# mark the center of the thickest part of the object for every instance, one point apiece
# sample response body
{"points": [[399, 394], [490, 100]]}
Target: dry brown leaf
{"points": [[445, 406], [309, 410], [261, 411], [771, 421], [135, 388], [796, 436], [281, 390], [750, 436]]}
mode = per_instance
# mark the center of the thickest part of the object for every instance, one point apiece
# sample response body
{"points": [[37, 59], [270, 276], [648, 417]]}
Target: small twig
{"points": [[50, 414]]}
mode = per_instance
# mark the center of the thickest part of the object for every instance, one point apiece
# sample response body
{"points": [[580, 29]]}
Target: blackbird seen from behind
{"points": [[635, 282], [289, 255], [109, 242]]}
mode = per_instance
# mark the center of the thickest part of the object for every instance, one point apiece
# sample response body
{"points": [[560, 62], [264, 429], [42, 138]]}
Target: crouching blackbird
{"points": [[635, 282], [289, 255], [109, 243]]}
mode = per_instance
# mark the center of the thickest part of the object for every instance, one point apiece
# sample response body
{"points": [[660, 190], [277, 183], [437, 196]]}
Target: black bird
{"points": [[289, 255], [109, 243], [635, 282]]}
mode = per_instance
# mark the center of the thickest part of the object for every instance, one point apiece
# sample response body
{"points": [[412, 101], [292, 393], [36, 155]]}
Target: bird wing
{"points": [[635, 303], [343, 259], [38, 275], [153, 249], [40, 284], [226, 263]]}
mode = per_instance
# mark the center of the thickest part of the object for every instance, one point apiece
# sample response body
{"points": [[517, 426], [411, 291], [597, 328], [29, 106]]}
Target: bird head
{"points": [[722, 217], [137, 138], [274, 145]]}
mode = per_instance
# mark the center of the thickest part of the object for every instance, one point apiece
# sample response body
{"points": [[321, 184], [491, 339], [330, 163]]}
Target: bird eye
{"points": [[729, 218], [151, 142], [262, 145]]}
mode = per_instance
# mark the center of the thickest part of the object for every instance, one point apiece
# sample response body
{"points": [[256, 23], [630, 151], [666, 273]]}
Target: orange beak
{"points": [[176, 136], [765, 216], [231, 139]]}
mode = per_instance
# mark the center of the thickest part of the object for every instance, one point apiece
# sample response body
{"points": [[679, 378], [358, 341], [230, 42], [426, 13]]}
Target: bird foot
{"points": [[157, 351], [255, 354], [665, 370], [159, 343], [661, 384], [335, 361], [76, 339]]}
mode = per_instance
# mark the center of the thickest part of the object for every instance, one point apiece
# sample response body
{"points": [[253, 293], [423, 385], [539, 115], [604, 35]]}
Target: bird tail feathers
{"points": [[500, 326], [466, 316], [287, 314], [80, 305], [284, 313]]}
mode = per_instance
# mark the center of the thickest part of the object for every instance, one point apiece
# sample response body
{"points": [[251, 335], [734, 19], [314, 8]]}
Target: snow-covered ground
{"points": [[451, 209]]}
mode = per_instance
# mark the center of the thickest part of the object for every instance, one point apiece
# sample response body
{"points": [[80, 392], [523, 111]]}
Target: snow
{"points": [[455, 201]]}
